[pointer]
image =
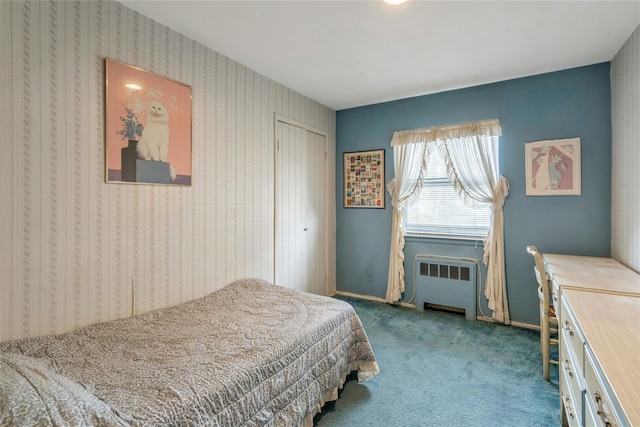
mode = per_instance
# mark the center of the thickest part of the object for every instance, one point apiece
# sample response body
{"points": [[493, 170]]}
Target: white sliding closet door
{"points": [[300, 253]]}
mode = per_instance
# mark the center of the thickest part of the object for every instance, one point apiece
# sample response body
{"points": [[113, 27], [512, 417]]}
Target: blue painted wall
{"points": [[564, 104]]}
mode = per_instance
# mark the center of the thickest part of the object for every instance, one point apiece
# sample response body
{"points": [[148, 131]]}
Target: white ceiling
{"points": [[351, 53]]}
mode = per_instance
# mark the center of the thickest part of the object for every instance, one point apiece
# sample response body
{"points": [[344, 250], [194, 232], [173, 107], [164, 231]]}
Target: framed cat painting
{"points": [[148, 127]]}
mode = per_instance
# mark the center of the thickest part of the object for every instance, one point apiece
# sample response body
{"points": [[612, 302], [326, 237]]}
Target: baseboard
{"points": [[373, 298], [407, 305]]}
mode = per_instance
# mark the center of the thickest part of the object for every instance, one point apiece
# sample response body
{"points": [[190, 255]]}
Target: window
{"points": [[440, 211]]}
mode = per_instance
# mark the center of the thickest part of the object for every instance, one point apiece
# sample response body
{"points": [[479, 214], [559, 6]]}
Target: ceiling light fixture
{"points": [[394, 2], [133, 86]]}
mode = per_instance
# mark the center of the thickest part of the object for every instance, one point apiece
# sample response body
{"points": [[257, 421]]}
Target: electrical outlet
{"points": [[370, 275]]}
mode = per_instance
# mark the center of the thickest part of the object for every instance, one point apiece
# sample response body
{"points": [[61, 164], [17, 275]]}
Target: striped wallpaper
{"points": [[76, 250], [625, 168]]}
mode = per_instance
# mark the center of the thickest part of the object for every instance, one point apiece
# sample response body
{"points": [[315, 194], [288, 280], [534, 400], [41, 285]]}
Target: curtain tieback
{"points": [[500, 193]]}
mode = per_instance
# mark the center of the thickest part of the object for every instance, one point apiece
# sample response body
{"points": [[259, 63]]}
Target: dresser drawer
{"points": [[572, 383], [572, 338], [591, 418], [570, 402], [597, 396]]}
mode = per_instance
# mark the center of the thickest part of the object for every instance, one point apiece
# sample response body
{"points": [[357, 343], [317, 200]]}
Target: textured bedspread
{"points": [[250, 354]]}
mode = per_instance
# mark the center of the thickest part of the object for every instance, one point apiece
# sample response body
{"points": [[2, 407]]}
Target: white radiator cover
{"points": [[447, 282]]}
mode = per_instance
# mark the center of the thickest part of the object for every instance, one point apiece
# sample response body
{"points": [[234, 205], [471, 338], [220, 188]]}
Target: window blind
{"points": [[439, 210]]}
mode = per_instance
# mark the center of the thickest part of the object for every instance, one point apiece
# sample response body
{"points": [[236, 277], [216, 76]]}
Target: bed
{"points": [[249, 354]]}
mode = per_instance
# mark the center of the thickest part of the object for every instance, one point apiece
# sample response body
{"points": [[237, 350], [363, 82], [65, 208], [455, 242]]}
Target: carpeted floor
{"points": [[438, 369]]}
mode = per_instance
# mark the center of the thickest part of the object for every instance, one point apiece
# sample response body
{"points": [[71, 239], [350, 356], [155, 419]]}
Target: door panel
{"points": [[316, 213], [300, 260]]}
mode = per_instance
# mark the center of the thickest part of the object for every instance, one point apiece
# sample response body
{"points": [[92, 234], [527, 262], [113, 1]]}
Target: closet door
{"points": [[300, 238]]}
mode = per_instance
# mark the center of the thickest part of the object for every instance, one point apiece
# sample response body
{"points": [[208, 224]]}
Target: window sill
{"points": [[448, 239]]}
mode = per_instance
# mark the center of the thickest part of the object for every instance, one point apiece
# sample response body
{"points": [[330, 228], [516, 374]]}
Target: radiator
{"points": [[445, 283]]}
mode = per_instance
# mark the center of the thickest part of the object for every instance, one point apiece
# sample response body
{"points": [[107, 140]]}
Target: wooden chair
{"points": [[548, 319]]}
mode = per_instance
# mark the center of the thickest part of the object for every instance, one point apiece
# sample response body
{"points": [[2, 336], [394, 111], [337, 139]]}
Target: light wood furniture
{"points": [[600, 354], [598, 304], [590, 273], [548, 319]]}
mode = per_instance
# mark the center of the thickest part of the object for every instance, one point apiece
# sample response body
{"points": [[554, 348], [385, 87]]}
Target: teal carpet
{"points": [[438, 369]]}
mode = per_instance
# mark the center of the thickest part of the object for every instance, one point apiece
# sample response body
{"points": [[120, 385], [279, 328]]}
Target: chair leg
{"points": [[544, 344]]}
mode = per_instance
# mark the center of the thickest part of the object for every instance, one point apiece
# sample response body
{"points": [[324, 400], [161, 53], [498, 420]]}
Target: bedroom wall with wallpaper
{"points": [[76, 250], [625, 143]]}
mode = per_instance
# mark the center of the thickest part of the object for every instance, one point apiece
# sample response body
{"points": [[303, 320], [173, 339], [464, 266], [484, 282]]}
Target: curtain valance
{"points": [[441, 133]]}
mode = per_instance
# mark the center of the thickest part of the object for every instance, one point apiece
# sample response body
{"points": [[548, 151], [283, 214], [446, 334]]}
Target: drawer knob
{"points": [[567, 366], [567, 405], [567, 327], [601, 413]]}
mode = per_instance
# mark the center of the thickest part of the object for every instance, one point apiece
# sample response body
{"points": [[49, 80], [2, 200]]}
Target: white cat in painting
{"points": [[154, 141]]}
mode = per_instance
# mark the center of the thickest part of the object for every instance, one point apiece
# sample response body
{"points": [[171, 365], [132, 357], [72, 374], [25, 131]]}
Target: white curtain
{"points": [[460, 145], [410, 163]]}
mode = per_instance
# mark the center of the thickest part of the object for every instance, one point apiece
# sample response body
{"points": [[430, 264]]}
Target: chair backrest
{"points": [[541, 276]]}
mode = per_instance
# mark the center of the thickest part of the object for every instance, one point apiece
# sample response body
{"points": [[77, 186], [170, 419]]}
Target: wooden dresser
{"points": [[598, 301]]}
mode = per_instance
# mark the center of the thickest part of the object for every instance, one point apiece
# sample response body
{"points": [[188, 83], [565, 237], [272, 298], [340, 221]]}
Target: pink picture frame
{"points": [[147, 127]]}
